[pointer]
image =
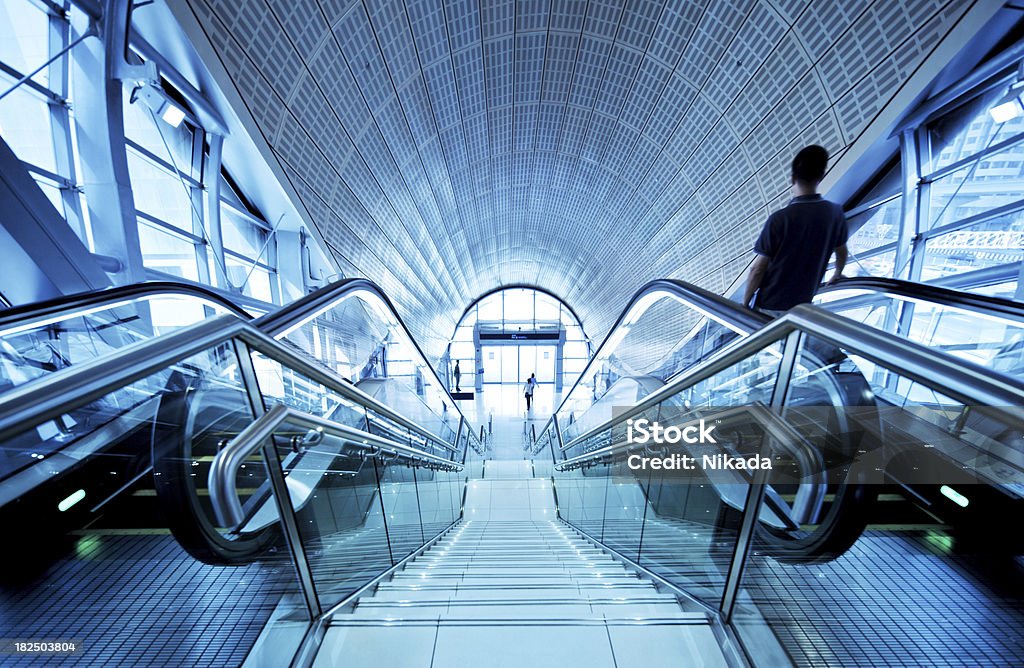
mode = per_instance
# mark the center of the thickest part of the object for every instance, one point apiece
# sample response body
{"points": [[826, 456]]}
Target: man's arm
{"points": [[754, 278], [841, 254]]}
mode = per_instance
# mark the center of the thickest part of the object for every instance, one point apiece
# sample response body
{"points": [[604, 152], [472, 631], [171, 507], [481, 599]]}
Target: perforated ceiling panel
{"points": [[448, 148]]}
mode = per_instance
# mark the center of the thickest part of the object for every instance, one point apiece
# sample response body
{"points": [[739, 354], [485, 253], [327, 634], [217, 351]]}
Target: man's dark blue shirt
{"points": [[798, 242]]}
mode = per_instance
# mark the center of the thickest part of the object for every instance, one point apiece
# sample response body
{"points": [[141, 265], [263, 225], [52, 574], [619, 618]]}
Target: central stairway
{"points": [[513, 586]]}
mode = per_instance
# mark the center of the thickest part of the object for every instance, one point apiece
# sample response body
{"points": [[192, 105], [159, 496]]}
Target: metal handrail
{"points": [[222, 479], [988, 392], [81, 303], [57, 393], [968, 301], [715, 306]]}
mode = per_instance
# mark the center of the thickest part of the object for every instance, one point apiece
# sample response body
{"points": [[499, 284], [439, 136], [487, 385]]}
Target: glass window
{"points": [[254, 281], [25, 126], [523, 310], [243, 236], [875, 227], [969, 129], [988, 244], [519, 305], [463, 350], [24, 38], [573, 332], [158, 192], [547, 308], [52, 192], [167, 252], [151, 133], [1006, 290], [489, 308], [881, 264], [974, 189], [575, 350]]}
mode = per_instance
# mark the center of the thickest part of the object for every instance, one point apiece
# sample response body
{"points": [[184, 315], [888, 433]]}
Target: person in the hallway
{"points": [[797, 241], [531, 385], [458, 375]]}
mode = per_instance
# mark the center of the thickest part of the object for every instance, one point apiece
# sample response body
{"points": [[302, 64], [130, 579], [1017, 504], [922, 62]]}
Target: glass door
{"points": [[492, 363]]}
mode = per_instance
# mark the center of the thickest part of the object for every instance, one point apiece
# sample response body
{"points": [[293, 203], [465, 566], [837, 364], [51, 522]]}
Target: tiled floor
{"points": [[896, 598], [140, 600]]}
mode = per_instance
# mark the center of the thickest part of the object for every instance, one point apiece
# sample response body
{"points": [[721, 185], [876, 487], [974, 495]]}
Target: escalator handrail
{"points": [[968, 301], [709, 303], [223, 479], [987, 391], [70, 306], [48, 397], [308, 307]]}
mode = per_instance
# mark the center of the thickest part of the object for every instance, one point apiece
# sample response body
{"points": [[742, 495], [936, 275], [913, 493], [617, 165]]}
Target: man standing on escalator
{"points": [[797, 241]]}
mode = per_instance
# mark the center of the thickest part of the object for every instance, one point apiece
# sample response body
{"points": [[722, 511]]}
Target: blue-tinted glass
{"points": [[159, 193], [24, 37], [25, 126]]}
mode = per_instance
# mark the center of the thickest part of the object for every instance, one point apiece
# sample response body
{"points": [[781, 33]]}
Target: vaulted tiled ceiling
{"points": [[584, 146]]}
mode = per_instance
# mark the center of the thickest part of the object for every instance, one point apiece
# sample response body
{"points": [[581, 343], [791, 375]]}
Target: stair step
{"points": [[681, 619]]}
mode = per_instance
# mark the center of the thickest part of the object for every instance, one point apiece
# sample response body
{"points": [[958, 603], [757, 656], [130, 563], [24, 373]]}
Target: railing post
{"points": [[458, 438], [290, 527], [275, 472], [755, 494], [558, 437]]}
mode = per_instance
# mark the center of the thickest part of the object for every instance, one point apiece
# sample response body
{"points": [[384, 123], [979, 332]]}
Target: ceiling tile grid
{"points": [[448, 147]]}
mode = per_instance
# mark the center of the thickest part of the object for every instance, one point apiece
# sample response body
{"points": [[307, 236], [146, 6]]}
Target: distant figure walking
{"points": [[531, 385], [458, 374], [796, 242]]}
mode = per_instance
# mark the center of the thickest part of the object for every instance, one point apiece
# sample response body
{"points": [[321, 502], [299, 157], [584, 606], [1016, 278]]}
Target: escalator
{"points": [[148, 430], [810, 522], [307, 482]]}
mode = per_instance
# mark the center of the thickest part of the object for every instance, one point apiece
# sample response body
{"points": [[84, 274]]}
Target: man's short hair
{"points": [[810, 163]]}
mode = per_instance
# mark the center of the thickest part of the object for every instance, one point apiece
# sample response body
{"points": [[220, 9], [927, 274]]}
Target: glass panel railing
{"points": [[35, 342], [681, 524], [353, 509], [360, 338], [811, 443], [638, 357]]}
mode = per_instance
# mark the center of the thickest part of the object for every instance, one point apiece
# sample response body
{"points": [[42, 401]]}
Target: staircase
{"points": [[511, 585]]}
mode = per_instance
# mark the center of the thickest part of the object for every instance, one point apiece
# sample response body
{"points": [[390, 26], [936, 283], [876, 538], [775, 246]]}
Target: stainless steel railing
{"points": [[223, 481]]}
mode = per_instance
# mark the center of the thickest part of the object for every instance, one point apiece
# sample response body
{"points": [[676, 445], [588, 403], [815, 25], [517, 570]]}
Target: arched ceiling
{"points": [[446, 148]]}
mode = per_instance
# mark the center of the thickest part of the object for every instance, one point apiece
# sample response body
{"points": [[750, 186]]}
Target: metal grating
{"points": [[447, 147]]}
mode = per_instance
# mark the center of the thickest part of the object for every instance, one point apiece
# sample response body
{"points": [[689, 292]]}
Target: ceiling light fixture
{"points": [[1009, 105], [163, 106]]}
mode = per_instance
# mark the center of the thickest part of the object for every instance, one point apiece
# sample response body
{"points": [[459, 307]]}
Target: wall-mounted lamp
{"points": [[163, 106], [1009, 105]]}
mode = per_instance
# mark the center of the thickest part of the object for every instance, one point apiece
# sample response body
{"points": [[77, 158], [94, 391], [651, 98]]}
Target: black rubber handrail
{"points": [[82, 301], [988, 305], [709, 303]]}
